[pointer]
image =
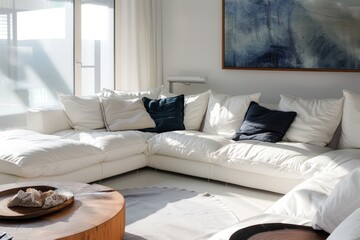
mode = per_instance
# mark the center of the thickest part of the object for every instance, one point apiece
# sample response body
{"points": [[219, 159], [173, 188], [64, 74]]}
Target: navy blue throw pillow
{"points": [[263, 124], [168, 113]]}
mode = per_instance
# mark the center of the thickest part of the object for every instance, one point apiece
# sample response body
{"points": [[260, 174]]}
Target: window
{"points": [[37, 53], [97, 41]]}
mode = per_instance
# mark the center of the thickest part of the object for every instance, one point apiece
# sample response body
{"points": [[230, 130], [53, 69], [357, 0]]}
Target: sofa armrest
{"points": [[47, 120]]}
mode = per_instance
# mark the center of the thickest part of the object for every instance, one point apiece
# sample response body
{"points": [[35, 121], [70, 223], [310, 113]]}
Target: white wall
{"points": [[192, 43]]}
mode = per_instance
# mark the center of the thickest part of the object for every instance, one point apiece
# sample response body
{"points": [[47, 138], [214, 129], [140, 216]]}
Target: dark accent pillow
{"points": [[263, 124], [168, 113]]}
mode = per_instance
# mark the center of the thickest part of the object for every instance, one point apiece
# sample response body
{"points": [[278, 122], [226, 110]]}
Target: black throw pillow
{"points": [[168, 113], [263, 124]]}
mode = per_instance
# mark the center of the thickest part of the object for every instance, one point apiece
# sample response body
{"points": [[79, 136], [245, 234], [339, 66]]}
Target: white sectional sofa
{"points": [[303, 166], [209, 154], [327, 201]]}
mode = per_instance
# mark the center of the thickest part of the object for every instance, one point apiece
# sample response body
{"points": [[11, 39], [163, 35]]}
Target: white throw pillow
{"points": [[350, 131], [225, 114], [349, 229], [84, 113], [316, 120], [342, 201], [152, 93], [125, 114], [194, 108]]}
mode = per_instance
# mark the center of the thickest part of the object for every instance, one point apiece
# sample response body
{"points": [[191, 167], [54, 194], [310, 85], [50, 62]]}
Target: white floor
{"points": [[244, 202]]}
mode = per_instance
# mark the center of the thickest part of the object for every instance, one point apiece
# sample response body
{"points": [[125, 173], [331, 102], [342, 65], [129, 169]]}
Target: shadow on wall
{"points": [[30, 55]]}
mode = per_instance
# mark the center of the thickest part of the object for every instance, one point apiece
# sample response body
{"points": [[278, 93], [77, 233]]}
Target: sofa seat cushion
{"points": [[188, 144], [116, 145], [340, 162], [303, 201], [29, 154], [342, 201], [282, 159]]}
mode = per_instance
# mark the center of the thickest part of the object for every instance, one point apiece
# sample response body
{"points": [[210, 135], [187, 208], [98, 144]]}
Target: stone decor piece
{"points": [[36, 198]]}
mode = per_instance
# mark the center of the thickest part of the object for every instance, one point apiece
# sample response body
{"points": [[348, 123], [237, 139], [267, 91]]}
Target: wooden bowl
{"points": [[29, 212]]}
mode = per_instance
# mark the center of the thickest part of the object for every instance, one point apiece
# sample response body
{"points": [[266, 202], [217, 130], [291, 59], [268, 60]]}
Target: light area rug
{"points": [[172, 213]]}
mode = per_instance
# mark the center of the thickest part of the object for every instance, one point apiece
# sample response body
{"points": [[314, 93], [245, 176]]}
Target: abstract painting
{"points": [[320, 35]]}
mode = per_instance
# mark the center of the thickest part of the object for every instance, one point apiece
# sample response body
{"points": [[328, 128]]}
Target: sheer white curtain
{"points": [[138, 46]]}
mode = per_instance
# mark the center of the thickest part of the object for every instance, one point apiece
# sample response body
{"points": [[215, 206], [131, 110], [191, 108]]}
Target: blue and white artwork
{"points": [[292, 34]]}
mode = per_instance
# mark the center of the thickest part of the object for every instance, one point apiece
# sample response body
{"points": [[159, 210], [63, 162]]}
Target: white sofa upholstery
{"points": [[31, 156], [269, 166], [301, 205], [274, 167], [51, 150]]}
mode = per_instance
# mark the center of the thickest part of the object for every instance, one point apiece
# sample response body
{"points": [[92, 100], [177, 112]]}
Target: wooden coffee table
{"points": [[98, 212]]}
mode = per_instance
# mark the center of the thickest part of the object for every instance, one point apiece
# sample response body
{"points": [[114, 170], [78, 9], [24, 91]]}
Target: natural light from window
{"points": [[45, 24], [37, 52], [93, 19], [37, 49], [97, 41]]}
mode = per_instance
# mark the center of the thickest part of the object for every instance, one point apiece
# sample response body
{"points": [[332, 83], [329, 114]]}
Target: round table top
{"points": [[94, 206]]}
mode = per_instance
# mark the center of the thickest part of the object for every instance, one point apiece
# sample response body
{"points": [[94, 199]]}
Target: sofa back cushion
{"points": [[84, 112], [194, 108], [316, 120], [225, 114], [151, 93], [350, 131], [125, 114]]}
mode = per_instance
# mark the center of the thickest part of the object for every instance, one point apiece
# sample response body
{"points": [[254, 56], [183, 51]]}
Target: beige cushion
{"points": [[316, 120], [225, 114], [84, 112], [125, 114], [350, 131]]}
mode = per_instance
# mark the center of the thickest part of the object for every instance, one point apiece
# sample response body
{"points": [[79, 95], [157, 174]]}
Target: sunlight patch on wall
{"points": [[41, 24]]}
